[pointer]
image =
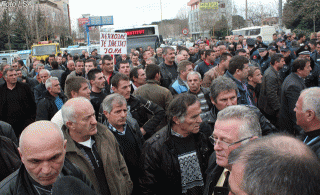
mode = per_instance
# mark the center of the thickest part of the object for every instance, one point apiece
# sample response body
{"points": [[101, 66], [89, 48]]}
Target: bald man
{"points": [[94, 149], [42, 149]]}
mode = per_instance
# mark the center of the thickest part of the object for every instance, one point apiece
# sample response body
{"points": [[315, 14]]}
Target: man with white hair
{"points": [[52, 101], [308, 117], [235, 126], [40, 90], [42, 149], [94, 149]]}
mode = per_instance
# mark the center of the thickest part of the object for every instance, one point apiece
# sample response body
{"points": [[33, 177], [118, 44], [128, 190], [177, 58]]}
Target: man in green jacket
{"points": [[93, 148]]}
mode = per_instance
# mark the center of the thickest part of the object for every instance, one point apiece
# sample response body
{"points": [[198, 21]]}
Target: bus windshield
{"points": [[43, 50]]}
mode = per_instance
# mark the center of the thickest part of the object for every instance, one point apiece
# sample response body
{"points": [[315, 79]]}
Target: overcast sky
{"points": [[134, 12]]}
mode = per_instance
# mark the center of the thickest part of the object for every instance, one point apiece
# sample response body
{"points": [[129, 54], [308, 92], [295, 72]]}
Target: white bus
{"points": [[142, 36], [265, 32]]}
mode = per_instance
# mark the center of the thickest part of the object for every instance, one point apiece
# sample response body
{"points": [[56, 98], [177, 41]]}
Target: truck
{"points": [[43, 49]]}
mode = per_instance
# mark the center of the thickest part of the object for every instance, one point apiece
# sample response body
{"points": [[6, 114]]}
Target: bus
{"points": [[7, 57], [265, 32], [142, 36], [24, 55], [43, 49]]}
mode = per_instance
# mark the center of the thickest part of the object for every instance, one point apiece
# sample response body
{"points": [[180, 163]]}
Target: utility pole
{"points": [[161, 9], [246, 10], [280, 14]]}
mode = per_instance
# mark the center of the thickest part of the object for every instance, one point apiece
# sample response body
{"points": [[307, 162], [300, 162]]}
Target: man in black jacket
{"points": [[127, 132], [290, 91], [42, 150], [52, 102], [17, 104], [168, 68], [223, 93], [308, 117], [169, 155], [138, 107]]}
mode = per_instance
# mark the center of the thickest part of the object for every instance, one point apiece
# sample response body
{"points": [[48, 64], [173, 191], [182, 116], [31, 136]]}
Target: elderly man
{"points": [[40, 89], [75, 87], [42, 150], [308, 117], [94, 149], [180, 85], [265, 167], [52, 101], [172, 152], [235, 125], [194, 83], [223, 93], [70, 68], [290, 91], [127, 132]]}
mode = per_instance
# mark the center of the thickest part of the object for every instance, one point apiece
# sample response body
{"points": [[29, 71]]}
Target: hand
{"points": [[142, 131]]}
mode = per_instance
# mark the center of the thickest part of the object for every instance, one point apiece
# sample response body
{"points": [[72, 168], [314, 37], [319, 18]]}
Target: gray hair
{"points": [[277, 164], [159, 49], [222, 84], [39, 65], [49, 81], [250, 126], [2, 66], [165, 50], [179, 105], [45, 70], [194, 73], [111, 100], [68, 109], [311, 100], [153, 59]]}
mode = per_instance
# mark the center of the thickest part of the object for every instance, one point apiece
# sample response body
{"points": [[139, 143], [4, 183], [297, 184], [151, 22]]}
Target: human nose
{"points": [[94, 121], [46, 168]]}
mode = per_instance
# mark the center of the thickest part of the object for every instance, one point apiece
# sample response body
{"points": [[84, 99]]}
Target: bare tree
{"points": [[257, 12]]}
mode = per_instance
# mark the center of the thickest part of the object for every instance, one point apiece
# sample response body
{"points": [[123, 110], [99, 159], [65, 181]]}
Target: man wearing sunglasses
{"points": [[235, 126]]}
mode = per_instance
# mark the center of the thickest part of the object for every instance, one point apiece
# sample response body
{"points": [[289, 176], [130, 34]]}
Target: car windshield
{"points": [[43, 50]]}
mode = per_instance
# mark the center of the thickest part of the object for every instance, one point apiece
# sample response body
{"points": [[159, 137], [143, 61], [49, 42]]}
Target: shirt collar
{"points": [[176, 134], [115, 130]]}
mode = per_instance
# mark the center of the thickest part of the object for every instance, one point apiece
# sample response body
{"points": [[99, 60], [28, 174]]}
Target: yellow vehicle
{"points": [[43, 49]]}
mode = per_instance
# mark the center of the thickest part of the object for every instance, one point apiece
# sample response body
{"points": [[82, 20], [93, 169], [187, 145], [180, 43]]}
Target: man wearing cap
{"points": [[313, 79], [272, 50], [286, 70], [254, 54], [280, 43], [264, 61]]}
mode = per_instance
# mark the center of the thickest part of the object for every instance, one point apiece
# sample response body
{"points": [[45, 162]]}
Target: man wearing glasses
{"points": [[235, 126]]}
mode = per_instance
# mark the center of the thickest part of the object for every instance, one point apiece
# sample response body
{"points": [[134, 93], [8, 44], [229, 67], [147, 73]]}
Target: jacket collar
{"points": [[153, 82]]}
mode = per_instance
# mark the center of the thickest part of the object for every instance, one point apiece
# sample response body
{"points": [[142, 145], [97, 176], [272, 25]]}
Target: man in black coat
{"points": [[17, 104], [308, 117], [42, 149], [168, 68], [290, 91], [169, 155], [269, 98], [52, 102]]}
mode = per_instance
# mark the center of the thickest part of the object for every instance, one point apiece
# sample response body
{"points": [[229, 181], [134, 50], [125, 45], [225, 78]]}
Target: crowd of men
{"points": [[221, 117]]}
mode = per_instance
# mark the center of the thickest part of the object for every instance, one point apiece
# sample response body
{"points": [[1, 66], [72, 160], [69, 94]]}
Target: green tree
{"points": [[6, 30], [238, 22], [221, 27], [20, 38], [302, 14]]}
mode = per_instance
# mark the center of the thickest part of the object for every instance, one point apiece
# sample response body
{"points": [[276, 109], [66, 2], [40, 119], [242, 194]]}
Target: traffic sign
{"points": [[185, 31]]}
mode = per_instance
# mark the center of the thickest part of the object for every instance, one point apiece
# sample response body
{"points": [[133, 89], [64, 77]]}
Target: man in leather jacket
{"points": [[42, 150], [223, 93], [177, 148]]}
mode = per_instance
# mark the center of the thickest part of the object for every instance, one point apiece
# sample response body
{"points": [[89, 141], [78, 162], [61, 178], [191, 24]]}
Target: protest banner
{"points": [[113, 43]]}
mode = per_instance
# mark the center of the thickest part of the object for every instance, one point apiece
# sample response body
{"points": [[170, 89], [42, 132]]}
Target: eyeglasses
{"points": [[226, 145]]}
